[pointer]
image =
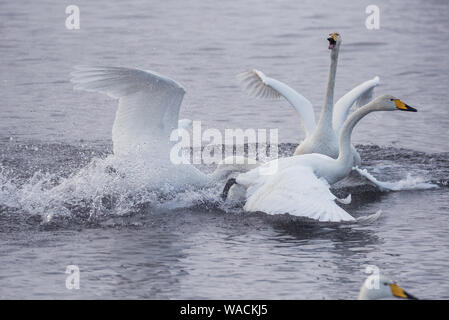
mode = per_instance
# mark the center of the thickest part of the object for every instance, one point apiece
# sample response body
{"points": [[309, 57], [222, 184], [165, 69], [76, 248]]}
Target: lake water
{"points": [[137, 249]]}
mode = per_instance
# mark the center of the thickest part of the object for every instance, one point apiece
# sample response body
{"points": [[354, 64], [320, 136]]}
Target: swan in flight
{"points": [[321, 137], [147, 115], [379, 287], [299, 185]]}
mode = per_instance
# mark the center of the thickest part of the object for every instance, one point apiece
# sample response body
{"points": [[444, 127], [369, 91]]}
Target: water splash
{"points": [[86, 184], [409, 183]]}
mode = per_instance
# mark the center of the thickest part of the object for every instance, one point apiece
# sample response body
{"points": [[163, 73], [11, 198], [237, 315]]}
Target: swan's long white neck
{"points": [[325, 121], [345, 156]]}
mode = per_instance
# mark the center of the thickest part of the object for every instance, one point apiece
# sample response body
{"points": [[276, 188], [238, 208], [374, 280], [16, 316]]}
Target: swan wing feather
{"points": [[365, 97], [295, 190], [258, 85], [148, 104], [360, 95]]}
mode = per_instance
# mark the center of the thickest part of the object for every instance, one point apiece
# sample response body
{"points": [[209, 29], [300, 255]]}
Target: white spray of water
{"points": [[113, 186], [109, 186], [409, 183]]}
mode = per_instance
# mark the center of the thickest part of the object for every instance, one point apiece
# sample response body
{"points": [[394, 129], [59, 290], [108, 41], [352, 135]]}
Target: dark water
{"points": [[134, 248]]}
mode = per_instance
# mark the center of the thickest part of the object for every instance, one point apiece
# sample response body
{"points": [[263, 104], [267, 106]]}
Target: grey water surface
{"points": [[48, 133]]}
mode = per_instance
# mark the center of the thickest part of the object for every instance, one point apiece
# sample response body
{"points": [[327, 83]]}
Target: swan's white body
{"points": [[322, 137], [147, 114], [300, 184]]}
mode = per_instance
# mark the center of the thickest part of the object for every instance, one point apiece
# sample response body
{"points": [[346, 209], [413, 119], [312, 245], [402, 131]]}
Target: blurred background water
{"points": [[203, 252]]}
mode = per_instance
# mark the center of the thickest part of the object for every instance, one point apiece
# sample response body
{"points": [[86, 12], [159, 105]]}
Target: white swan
{"points": [[379, 287], [146, 116], [299, 185], [321, 137]]}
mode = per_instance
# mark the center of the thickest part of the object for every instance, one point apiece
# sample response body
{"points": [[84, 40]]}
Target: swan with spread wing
{"points": [[320, 137], [147, 115], [299, 185]]}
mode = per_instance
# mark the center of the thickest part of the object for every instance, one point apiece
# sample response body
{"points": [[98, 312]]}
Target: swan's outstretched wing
{"points": [[148, 105], [259, 85], [360, 94], [295, 190]]}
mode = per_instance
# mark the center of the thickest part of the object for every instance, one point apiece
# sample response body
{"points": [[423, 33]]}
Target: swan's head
{"points": [[334, 40], [377, 287], [388, 102]]}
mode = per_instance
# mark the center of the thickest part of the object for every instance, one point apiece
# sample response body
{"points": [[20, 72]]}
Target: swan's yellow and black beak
{"points": [[332, 40], [403, 106], [398, 292]]}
